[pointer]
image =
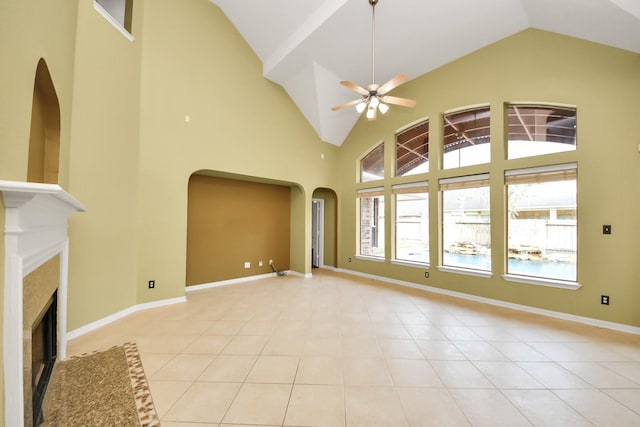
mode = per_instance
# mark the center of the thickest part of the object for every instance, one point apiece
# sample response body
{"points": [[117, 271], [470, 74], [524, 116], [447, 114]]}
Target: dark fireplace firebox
{"points": [[43, 355]]}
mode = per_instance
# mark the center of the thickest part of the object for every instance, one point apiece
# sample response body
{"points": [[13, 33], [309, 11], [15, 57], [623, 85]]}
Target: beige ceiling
{"points": [[309, 46]]}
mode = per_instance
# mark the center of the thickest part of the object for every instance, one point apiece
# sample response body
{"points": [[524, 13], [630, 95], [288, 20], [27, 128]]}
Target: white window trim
{"points": [[370, 258], [410, 263], [541, 169], [562, 284], [106, 15], [418, 184], [542, 281], [465, 271], [362, 192], [466, 178]]}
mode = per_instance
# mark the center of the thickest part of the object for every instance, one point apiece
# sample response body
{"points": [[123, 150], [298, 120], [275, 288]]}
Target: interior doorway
{"points": [[317, 233]]}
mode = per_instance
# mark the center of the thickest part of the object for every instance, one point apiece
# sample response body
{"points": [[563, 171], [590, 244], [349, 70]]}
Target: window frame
{"points": [[459, 183], [547, 173], [360, 168], [418, 187], [403, 131], [476, 109], [120, 26], [363, 193], [542, 106]]}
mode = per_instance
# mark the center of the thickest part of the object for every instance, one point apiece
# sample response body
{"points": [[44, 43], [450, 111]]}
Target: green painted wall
{"points": [[532, 66], [32, 30], [127, 150], [103, 171], [238, 123]]}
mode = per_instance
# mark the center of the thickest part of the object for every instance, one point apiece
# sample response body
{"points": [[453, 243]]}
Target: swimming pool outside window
{"points": [[542, 222], [466, 222]]}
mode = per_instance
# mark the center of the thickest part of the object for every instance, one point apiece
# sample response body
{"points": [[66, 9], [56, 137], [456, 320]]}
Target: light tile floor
{"points": [[337, 350]]}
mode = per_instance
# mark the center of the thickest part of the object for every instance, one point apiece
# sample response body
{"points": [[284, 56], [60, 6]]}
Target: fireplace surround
{"points": [[44, 350], [35, 234]]}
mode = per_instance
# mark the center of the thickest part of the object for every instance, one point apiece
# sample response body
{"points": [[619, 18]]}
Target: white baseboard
{"points": [[130, 310], [202, 286], [120, 314], [298, 274], [528, 309]]}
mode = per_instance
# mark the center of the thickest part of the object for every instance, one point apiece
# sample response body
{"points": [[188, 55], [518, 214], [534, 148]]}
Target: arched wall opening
{"points": [[237, 224], [44, 138]]}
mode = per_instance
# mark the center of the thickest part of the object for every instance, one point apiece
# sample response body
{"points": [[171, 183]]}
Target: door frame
{"points": [[317, 219]]}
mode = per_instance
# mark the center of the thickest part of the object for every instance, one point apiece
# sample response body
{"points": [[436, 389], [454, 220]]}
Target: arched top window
{"points": [[467, 135], [533, 130], [412, 150], [372, 164]]}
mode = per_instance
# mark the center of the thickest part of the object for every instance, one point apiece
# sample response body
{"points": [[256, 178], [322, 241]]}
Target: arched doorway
{"points": [[324, 230]]}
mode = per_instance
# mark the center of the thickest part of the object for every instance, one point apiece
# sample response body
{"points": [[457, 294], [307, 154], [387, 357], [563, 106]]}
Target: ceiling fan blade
{"points": [[346, 104], [354, 87], [403, 102], [393, 83]]}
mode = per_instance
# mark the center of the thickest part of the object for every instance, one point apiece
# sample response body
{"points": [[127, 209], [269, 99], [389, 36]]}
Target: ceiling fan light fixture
{"points": [[374, 96], [371, 112]]}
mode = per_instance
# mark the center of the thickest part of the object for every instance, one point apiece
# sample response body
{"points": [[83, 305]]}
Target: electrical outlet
{"points": [[606, 229], [247, 264], [426, 274], [270, 262], [604, 299], [152, 284], [260, 263], [349, 259]]}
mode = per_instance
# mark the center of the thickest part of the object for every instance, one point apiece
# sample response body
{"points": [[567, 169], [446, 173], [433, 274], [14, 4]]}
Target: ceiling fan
{"points": [[374, 97]]}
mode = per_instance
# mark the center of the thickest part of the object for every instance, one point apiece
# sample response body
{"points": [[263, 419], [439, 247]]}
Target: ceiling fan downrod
{"points": [[373, 4], [375, 97]]}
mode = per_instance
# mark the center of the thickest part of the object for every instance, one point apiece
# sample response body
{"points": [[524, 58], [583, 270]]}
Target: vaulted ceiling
{"points": [[309, 46]]}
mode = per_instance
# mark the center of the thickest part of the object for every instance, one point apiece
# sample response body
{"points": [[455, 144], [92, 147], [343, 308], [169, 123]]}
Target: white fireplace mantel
{"points": [[36, 217]]}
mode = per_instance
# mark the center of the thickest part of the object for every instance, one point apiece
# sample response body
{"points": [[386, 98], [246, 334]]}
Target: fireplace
{"points": [[36, 246], [44, 349]]}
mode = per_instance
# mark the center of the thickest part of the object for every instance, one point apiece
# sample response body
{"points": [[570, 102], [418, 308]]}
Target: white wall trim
{"points": [[551, 283], [154, 304], [525, 308], [121, 314], [113, 21], [228, 282], [298, 274], [35, 230]]}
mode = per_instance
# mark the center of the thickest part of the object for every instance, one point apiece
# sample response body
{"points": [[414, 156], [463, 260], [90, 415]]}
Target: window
{"points": [[118, 12], [412, 150], [371, 212], [466, 224], [372, 165], [467, 138], [542, 225], [535, 129], [412, 222]]}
